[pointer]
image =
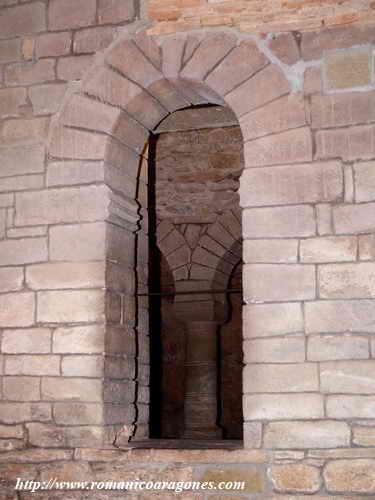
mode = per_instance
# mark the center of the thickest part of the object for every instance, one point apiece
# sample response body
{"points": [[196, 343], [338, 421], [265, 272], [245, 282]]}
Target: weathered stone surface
{"points": [[354, 476], [328, 249], [355, 377], [351, 143], [301, 377], [351, 68], [340, 281], [26, 159], [73, 68], [279, 222], [17, 309], [332, 316], [30, 73], [266, 320], [82, 366], [53, 44], [80, 339], [285, 47], [93, 39], [364, 436], [246, 58], [46, 99], [69, 388], [262, 282], [350, 406], [10, 50], [23, 19], [70, 306], [275, 350], [68, 14], [266, 85], [32, 365], [52, 206], [283, 406], [78, 413], [290, 146], [65, 275], [320, 434], [11, 279], [11, 431], [329, 347], [11, 100], [366, 246], [253, 478], [354, 218], [23, 251], [48, 436], [115, 11], [285, 113], [35, 456], [12, 413], [270, 251], [21, 388], [292, 184], [252, 434], [295, 478], [77, 242], [30, 340], [364, 175], [67, 173]]}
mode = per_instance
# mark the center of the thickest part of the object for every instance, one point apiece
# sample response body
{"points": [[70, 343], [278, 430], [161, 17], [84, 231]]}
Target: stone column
{"points": [[201, 381]]}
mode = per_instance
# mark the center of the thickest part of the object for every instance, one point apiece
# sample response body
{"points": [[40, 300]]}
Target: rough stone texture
{"points": [[350, 407], [278, 350], [354, 377], [329, 347], [340, 315], [321, 434], [65, 14], [266, 320], [364, 436], [17, 309], [295, 478], [328, 249], [354, 476], [22, 20], [347, 280], [348, 69], [283, 406], [280, 378]]}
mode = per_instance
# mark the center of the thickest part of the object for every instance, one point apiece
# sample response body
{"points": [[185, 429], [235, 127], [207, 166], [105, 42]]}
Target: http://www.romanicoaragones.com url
{"points": [[135, 485]]}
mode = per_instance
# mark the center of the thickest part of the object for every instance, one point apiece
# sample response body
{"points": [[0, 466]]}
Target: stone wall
{"points": [[70, 228]]}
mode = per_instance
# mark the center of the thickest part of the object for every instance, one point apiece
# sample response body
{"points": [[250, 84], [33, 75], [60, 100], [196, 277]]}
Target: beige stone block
{"points": [[334, 316], [270, 251], [46, 435], [66, 275], [24, 412], [295, 478], [69, 173], [52, 206], [364, 436], [320, 434], [364, 175], [328, 249], [46, 99], [70, 306], [21, 388], [353, 377], [366, 245], [66, 472], [292, 184], [21, 182], [27, 232], [354, 476], [78, 242], [82, 366], [78, 413], [253, 478], [29, 340], [301, 377], [11, 100], [276, 350], [341, 281], [354, 218], [11, 431], [23, 251], [18, 131], [32, 365], [262, 282], [26, 159], [350, 406], [11, 279], [17, 309], [80, 339], [30, 73], [329, 347], [349, 68], [279, 222], [324, 218], [252, 434], [266, 320], [283, 406], [73, 389], [35, 456]]}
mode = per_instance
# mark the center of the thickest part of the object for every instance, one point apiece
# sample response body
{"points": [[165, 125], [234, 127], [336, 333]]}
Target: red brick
{"points": [[247, 60], [53, 44], [23, 19], [68, 14], [10, 101], [342, 109], [73, 68], [211, 50], [284, 113], [30, 73], [143, 73], [348, 143], [115, 11], [292, 146], [46, 99], [92, 39], [285, 47], [265, 86], [10, 50]]}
